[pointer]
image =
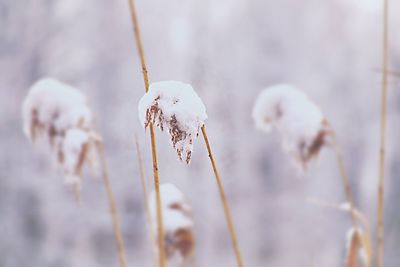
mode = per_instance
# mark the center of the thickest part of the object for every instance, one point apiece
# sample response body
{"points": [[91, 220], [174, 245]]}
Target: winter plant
{"points": [[178, 223], [175, 107], [59, 113], [305, 131]]}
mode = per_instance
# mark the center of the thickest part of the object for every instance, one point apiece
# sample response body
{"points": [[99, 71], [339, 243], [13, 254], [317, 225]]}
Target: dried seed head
{"points": [[51, 107], [178, 221], [176, 107], [302, 125], [59, 113], [76, 149]]}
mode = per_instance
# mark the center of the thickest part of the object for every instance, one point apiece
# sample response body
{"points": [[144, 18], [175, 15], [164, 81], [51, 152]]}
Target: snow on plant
{"points": [[178, 222], [77, 148], [59, 112], [302, 125], [176, 107]]}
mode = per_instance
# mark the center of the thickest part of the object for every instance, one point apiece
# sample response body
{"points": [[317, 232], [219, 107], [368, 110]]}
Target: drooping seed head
{"points": [[175, 107], [177, 219], [303, 127], [59, 113]]}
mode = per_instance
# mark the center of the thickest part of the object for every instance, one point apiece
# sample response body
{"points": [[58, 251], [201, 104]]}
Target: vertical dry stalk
{"points": [[145, 196], [380, 223], [113, 208], [228, 215], [354, 245], [345, 182], [160, 226]]}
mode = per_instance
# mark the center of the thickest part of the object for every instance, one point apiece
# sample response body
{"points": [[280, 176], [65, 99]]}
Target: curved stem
{"points": [[113, 207], [160, 227], [380, 213], [224, 200]]}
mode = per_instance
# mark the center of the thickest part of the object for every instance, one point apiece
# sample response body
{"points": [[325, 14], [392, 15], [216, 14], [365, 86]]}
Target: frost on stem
{"points": [[59, 113], [302, 125], [176, 107], [178, 222]]}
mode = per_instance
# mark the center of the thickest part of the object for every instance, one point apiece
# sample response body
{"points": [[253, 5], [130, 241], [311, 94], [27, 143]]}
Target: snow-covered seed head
{"points": [[178, 222], [51, 107], [303, 127], [77, 148], [176, 107], [59, 113]]}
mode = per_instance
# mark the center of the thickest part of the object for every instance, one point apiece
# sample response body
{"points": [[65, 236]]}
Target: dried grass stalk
{"points": [[224, 200], [139, 44], [381, 184], [113, 206], [145, 198]]}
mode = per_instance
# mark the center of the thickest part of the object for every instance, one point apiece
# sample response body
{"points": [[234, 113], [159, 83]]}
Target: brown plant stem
{"points": [[345, 182], [224, 200], [160, 226], [113, 208], [145, 196], [139, 43], [380, 213]]}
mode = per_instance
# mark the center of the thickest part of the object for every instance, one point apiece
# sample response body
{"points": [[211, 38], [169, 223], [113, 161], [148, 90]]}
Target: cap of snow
{"points": [[172, 198], [177, 220], [51, 107], [176, 107], [302, 125], [59, 112]]}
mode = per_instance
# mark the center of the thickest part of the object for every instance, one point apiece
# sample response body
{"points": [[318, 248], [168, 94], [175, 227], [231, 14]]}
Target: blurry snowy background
{"points": [[228, 50]]}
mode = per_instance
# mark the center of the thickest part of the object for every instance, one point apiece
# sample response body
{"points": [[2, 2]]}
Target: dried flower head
{"points": [[302, 125], [78, 147], [176, 107], [59, 113], [178, 222]]}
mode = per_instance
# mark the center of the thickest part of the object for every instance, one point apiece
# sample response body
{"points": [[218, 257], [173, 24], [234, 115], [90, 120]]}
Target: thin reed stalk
{"points": [[145, 197], [224, 200], [380, 213], [113, 208], [345, 182], [160, 226]]}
